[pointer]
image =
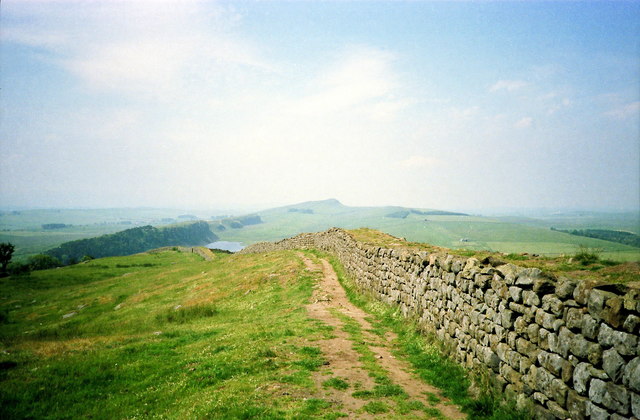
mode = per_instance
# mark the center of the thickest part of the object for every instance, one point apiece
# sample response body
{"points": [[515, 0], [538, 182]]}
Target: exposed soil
{"points": [[343, 360]]}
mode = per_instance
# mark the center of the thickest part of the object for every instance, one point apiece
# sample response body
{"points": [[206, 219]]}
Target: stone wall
{"points": [[571, 347]]}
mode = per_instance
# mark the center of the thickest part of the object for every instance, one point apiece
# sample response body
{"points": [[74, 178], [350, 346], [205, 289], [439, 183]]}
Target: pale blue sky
{"points": [[451, 105]]}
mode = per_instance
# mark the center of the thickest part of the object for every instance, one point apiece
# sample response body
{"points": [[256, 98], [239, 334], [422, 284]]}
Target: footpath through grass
{"points": [[428, 359], [161, 335]]}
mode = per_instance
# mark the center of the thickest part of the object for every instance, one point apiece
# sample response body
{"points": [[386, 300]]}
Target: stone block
{"points": [[596, 413], [550, 361], [551, 303], [581, 377], [631, 374], [574, 319], [597, 389], [530, 298], [606, 336], [580, 346], [576, 405], [515, 293], [596, 302], [635, 404], [532, 332], [625, 343], [527, 276], [565, 288], [616, 398], [632, 324], [613, 364], [590, 327], [557, 411]]}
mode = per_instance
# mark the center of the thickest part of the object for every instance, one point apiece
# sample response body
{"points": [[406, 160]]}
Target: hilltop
{"points": [[453, 230]]}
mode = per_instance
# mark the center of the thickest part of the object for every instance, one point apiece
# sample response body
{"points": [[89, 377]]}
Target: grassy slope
{"points": [[226, 352], [484, 233]]}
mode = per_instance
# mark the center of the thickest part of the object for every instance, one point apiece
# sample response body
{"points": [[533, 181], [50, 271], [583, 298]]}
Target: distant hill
{"points": [[132, 241], [434, 226]]}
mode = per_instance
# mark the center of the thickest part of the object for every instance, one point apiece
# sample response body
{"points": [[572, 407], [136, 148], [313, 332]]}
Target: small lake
{"points": [[226, 246]]}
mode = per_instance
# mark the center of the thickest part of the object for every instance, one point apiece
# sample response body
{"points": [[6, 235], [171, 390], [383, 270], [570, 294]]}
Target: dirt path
{"points": [[330, 305]]}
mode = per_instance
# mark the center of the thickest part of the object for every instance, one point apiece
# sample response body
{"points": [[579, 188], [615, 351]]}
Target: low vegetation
{"points": [[627, 238], [132, 241]]}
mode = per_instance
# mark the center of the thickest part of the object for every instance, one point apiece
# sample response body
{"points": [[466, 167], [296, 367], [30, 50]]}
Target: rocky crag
{"points": [[572, 347]]}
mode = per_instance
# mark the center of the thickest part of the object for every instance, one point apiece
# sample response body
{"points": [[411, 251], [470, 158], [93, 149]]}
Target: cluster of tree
{"points": [[437, 213], [303, 211], [400, 214], [132, 241], [240, 222], [35, 262], [626, 238], [51, 226]]}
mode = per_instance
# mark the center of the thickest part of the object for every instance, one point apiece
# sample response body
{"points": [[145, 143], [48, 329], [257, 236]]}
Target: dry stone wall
{"points": [[572, 348]]}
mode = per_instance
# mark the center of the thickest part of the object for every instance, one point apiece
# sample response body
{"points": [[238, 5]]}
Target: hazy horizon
{"points": [[252, 105]]}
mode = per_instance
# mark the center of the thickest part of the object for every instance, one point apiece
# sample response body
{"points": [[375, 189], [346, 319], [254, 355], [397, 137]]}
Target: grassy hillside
{"points": [[450, 231], [159, 335]]}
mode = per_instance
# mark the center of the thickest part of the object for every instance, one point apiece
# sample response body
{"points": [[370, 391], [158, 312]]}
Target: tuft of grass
{"points": [[187, 314], [587, 256], [336, 383], [376, 407]]}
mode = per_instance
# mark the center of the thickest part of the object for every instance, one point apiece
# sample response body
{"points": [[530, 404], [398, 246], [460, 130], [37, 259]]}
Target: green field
{"points": [[456, 232], [520, 234]]}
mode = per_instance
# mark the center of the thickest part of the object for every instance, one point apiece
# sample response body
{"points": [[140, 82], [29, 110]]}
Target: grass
{"points": [[161, 335]]}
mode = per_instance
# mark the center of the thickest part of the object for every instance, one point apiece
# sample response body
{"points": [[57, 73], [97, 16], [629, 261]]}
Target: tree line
{"points": [[621, 237]]}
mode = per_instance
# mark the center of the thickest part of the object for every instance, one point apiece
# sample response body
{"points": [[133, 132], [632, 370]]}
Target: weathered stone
{"points": [[594, 354], [613, 364], [597, 389], [582, 291], [581, 376], [625, 343], [632, 324], [559, 391], [596, 302], [532, 332], [612, 313], [530, 298], [635, 404], [543, 338], [590, 327], [526, 348], [574, 319], [605, 336], [557, 411], [596, 413], [562, 342], [543, 286], [576, 405], [616, 398], [527, 276], [541, 413], [552, 362], [552, 304], [491, 359], [580, 346], [567, 371], [631, 375], [515, 293], [565, 288]]}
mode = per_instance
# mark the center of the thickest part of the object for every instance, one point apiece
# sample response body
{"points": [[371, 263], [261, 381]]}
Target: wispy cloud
{"points": [[525, 122], [623, 112], [508, 85]]}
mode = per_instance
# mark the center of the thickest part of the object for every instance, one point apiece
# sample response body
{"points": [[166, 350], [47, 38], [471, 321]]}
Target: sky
{"points": [[218, 104]]}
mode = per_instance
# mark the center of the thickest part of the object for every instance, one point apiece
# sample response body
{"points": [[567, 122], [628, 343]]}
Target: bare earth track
{"points": [[329, 299]]}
